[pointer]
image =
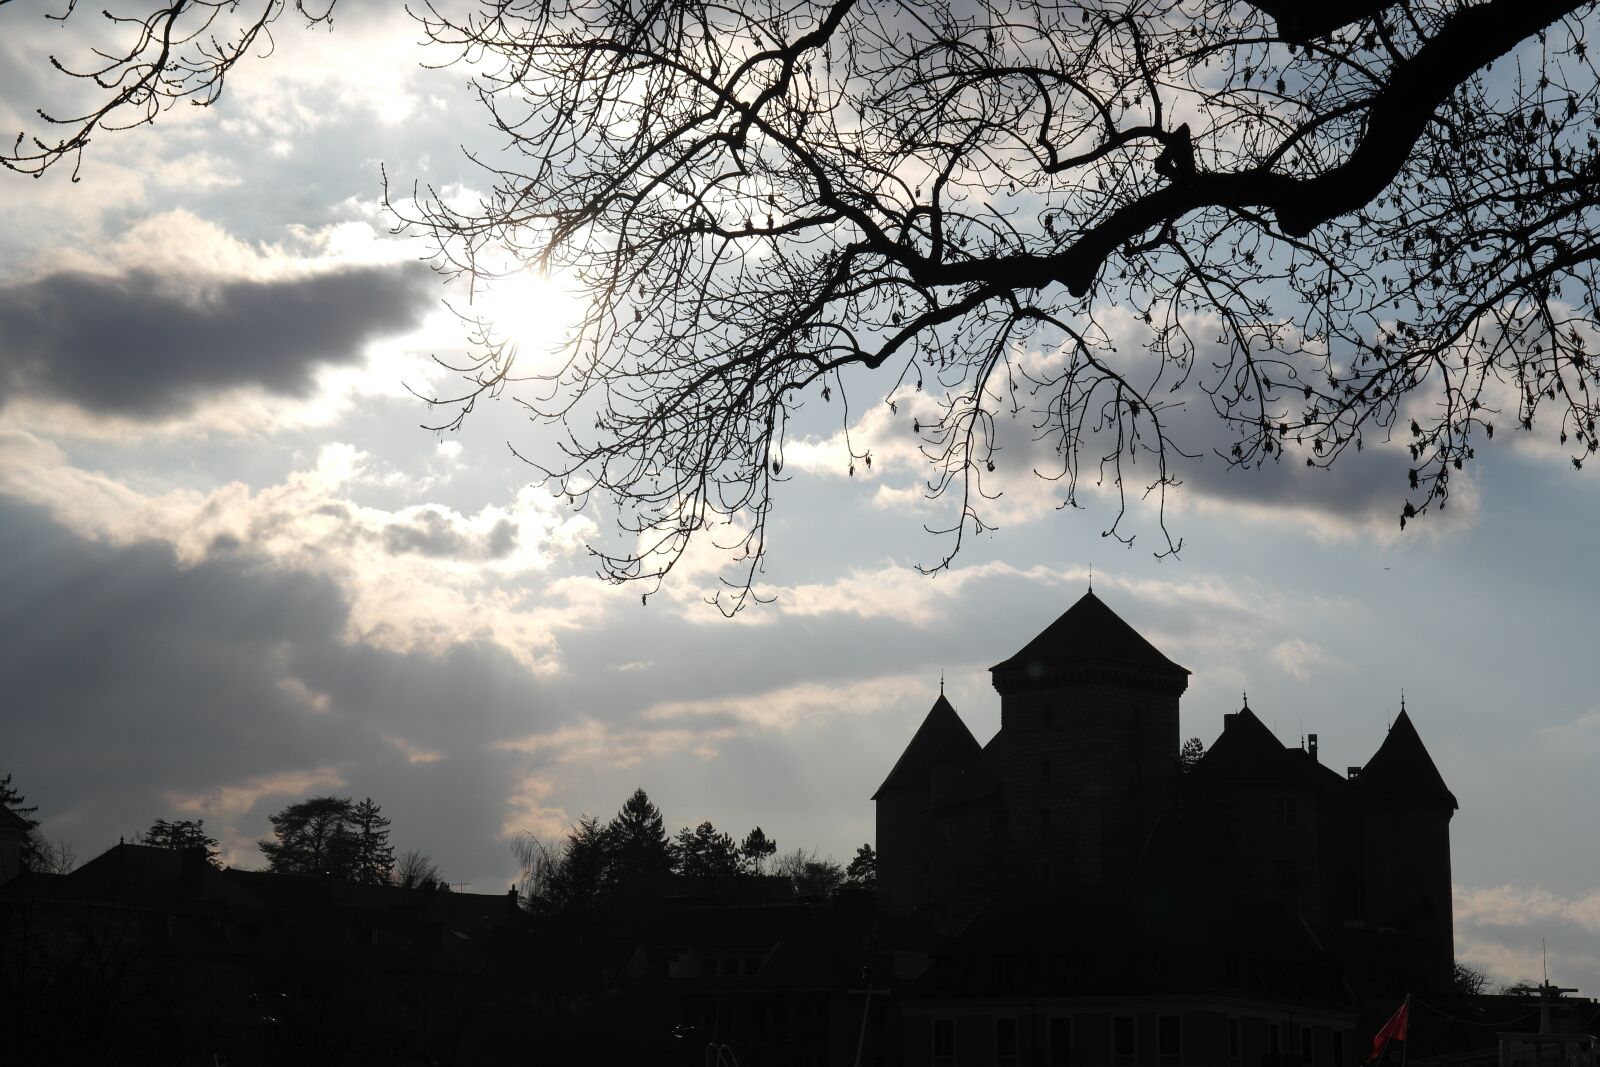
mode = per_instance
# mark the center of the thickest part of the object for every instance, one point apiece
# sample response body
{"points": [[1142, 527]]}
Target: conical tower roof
{"points": [[942, 740], [1088, 635], [1402, 770], [1246, 749]]}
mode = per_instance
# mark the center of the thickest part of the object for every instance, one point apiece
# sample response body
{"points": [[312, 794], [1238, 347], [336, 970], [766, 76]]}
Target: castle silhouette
{"points": [[1082, 804]]}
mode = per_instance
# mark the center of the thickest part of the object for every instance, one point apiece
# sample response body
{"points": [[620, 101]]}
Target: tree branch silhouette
{"points": [[1334, 224]]}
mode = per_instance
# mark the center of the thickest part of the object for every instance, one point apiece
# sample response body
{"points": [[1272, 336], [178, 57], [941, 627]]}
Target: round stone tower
{"points": [[1088, 745]]}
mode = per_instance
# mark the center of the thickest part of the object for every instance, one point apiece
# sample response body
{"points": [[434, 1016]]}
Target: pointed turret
{"points": [[1088, 636], [940, 752], [1402, 771], [942, 740], [1405, 825]]}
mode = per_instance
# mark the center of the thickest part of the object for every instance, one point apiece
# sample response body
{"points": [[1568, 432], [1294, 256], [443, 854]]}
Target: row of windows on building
{"points": [[1285, 1044]]}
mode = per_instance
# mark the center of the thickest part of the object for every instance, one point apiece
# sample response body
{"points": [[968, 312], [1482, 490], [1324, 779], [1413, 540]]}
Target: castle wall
{"points": [[1089, 767], [904, 848], [1405, 868], [1276, 832]]}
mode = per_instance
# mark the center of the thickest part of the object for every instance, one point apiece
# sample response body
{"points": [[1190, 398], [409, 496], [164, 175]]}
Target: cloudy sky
{"points": [[239, 571]]}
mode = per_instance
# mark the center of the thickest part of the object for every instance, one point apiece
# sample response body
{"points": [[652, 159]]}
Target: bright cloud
{"points": [[1298, 657], [419, 578]]}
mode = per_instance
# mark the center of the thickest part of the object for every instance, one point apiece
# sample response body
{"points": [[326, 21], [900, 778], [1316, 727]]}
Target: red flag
{"points": [[1393, 1030]]}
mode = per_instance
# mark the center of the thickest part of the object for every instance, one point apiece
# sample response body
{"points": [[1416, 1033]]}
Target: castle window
{"points": [[1060, 1042], [1338, 1048], [1005, 1042], [1044, 817], [1167, 1043], [1122, 1050], [1235, 1043], [1305, 1044], [1044, 767], [1283, 813]]}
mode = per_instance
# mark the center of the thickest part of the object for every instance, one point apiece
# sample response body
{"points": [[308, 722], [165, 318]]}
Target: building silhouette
{"points": [[1250, 905]]}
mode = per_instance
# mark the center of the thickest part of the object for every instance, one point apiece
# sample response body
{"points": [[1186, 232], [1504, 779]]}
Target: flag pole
{"points": [[1405, 1046]]}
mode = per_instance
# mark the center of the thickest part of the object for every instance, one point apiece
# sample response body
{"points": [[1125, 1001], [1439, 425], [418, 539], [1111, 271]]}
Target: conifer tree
{"points": [[372, 860], [12, 799], [863, 870], [638, 842], [581, 879], [754, 852], [706, 852], [312, 837], [182, 834]]}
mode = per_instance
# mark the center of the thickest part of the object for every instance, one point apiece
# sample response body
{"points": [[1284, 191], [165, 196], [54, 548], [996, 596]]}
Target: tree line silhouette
{"points": [[594, 863]]}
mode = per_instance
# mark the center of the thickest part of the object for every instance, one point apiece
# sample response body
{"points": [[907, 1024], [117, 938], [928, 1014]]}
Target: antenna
{"points": [[941, 681]]}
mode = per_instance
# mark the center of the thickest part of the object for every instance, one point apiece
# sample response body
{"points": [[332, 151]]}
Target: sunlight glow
{"points": [[533, 312]]}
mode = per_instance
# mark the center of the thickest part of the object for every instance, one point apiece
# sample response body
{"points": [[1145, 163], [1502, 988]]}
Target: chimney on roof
{"points": [[1311, 745]]}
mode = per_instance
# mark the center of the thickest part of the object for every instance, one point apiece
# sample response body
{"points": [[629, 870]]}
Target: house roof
{"points": [[1088, 634], [1247, 749], [1401, 769], [942, 740], [133, 872], [10, 820]]}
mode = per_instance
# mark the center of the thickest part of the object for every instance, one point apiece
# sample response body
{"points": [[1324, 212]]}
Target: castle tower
{"points": [[1405, 811], [1088, 744], [939, 754]]}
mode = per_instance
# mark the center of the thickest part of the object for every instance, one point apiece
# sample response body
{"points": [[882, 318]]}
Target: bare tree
{"points": [[538, 862], [1333, 224], [812, 874], [55, 857], [416, 870]]}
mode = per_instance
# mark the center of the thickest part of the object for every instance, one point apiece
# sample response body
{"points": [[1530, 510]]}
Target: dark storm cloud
{"points": [[1357, 487], [128, 681], [145, 346]]}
